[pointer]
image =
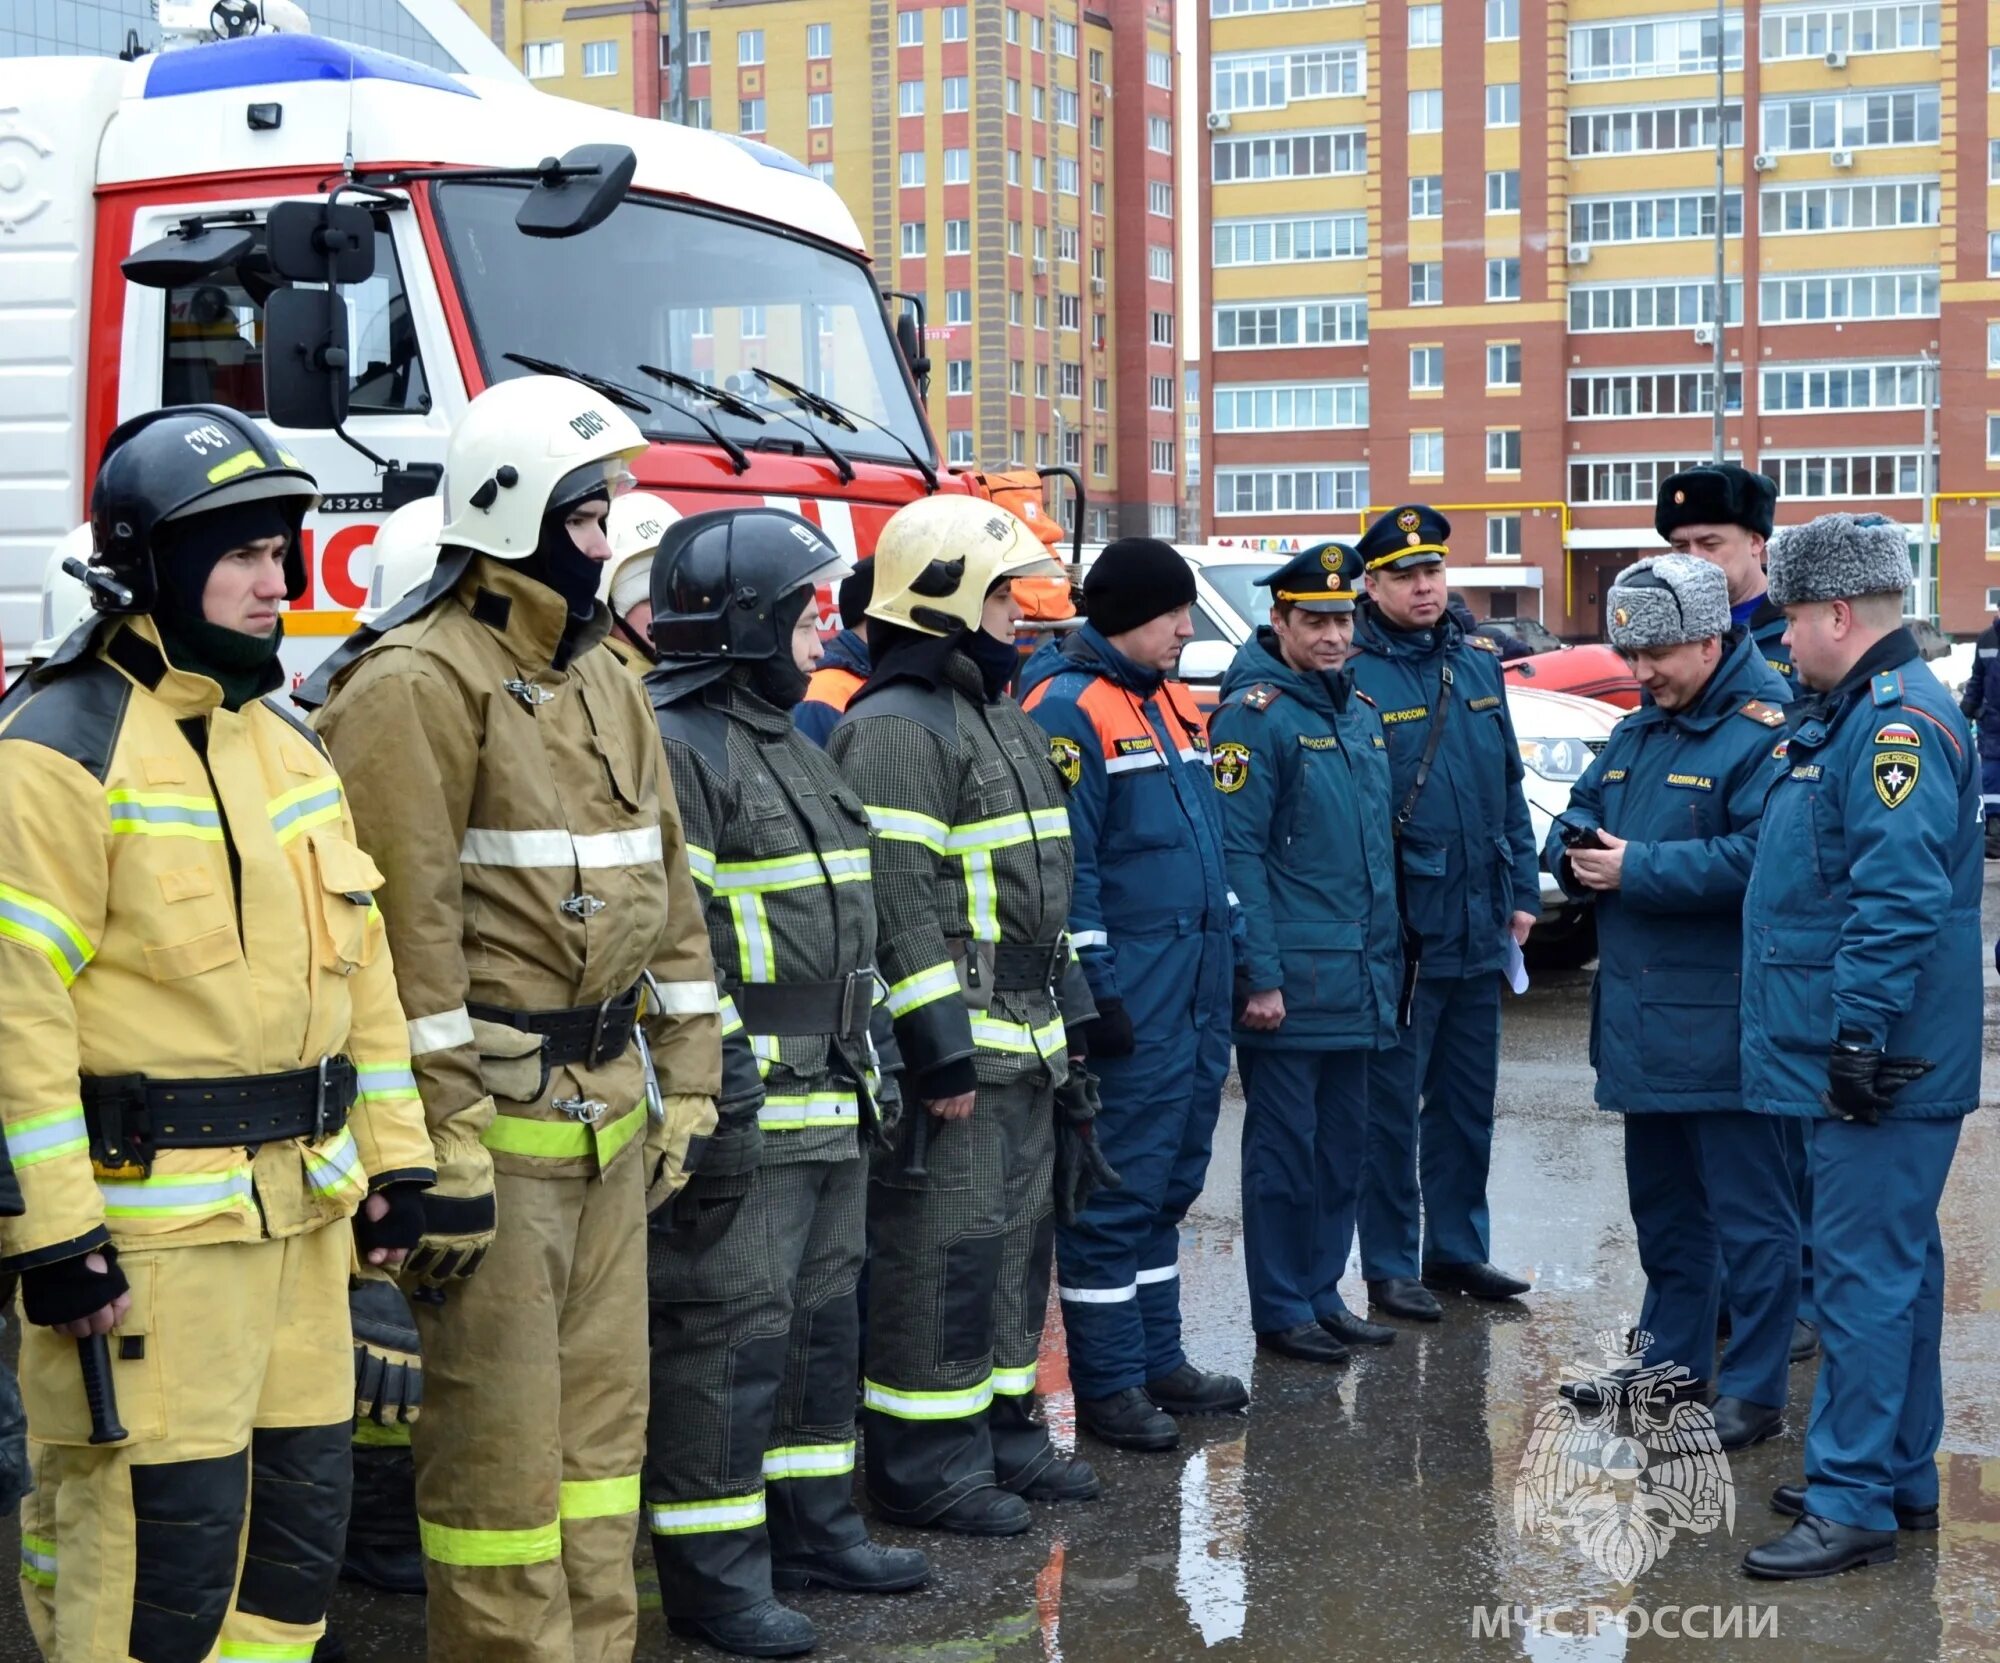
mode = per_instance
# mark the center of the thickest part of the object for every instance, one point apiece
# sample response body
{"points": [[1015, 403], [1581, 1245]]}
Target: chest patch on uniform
{"points": [[1613, 775], [1692, 782], [1232, 765], [1808, 771], [1778, 750], [1319, 742], [1486, 703], [1895, 774], [1135, 746], [1897, 733], [1783, 669], [1416, 715], [1067, 755]]}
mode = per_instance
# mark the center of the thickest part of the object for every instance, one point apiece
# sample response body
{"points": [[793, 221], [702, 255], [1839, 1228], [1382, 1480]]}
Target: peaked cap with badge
{"points": [[1323, 578], [1413, 535]]}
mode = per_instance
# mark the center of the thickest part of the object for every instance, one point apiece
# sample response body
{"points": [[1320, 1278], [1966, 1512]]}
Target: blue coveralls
{"points": [[1982, 705], [1150, 919], [1862, 921], [1302, 775], [842, 670], [1707, 1181], [1469, 862]]}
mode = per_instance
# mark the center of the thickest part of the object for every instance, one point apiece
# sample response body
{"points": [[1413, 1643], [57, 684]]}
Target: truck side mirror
{"points": [[911, 346], [179, 259], [305, 358], [321, 242], [578, 192]]}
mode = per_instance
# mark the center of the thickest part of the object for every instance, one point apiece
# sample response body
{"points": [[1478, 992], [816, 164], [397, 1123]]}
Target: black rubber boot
{"points": [[1127, 1420], [766, 1629]]}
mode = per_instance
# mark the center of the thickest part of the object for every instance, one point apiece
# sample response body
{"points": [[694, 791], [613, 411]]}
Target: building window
{"points": [[909, 28], [1503, 19], [1503, 104], [1427, 111], [1503, 279], [1068, 181], [1290, 323], [1993, 346], [1426, 369], [1163, 329], [1159, 134], [911, 165], [1803, 33], [1503, 364], [1503, 536], [1503, 191], [1100, 459], [909, 96], [1291, 490], [1263, 242], [1250, 8], [1862, 206], [915, 237], [1038, 103], [1035, 32], [958, 167], [1013, 167], [600, 57], [819, 40], [958, 236], [1159, 263], [1427, 25], [1654, 129], [1159, 69], [1427, 283], [750, 116], [1163, 518], [953, 27], [1041, 175], [1062, 38], [1287, 407], [1042, 381], [1069, 380], [1803, 389], [1096, 65], [1837, 296], [1993, 438], [1159, 198], [749, 47], [1861, 474], [1426, 454], [1427, 196], [958, 306], [1100, 394], [822, 171], [1069, 312], [1623, 479], [819, 109], [957, 94], [1042, 312], [1097, 196], [1632, 49], [750, 322], [1161, 392], [1322, 155], [1066, 107], [1852, 120], [1992, 539], [1272, 80], [1503, 450], [1017, 379], [958, 443], [1648, 219], [1066, 244], [697, 48], [542, 60], [1607, 308], [958, 375], [1163, 456]]}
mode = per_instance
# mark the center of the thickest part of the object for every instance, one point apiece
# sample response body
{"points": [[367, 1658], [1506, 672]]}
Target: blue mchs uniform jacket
{"points": [[1686, 790], [1133, 750], [1468, 854], [1982, 692], [1767, 629], [1301, 771], [1862, 916]]}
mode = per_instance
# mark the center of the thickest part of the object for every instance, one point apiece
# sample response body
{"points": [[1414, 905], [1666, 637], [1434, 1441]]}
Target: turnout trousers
{"points": [[534, 1423], [1305, 1131], [1878, 1410], [755, 1346], [1118, 1271], [1430, 1132], [1712, 1205], [958, 1289], [218, 1522]]}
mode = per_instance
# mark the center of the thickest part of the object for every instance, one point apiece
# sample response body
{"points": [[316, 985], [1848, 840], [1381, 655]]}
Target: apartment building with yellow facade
{"points": [[1465, 253]]}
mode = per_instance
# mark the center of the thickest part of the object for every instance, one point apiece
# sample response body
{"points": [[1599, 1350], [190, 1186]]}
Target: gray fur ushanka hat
{"points": [[1837, 557], [1666, 600]]}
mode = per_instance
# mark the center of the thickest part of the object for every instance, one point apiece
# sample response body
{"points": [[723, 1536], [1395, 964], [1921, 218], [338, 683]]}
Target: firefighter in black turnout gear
{"points": [[750, 1464]]}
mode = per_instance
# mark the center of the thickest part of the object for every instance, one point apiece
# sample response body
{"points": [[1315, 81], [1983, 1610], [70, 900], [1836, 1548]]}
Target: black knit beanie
{"points": [[1133, 582]]}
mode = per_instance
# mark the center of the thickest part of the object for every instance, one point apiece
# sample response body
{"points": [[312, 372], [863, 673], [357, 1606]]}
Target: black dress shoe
{"points": [[1127, 1420], [1192, 1391], [1791, 1499], [766, 1629], [1805, 1341], [1587, 1394], [864, 1568], [1066, 1478], [1405, 1297], [1308, 1342], [1740, 1423], [1482, 1281], [1350, 1329], [1819, 1547]]}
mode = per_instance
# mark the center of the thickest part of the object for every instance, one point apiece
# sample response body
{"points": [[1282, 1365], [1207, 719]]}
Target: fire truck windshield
{"points": [[704, 294]]}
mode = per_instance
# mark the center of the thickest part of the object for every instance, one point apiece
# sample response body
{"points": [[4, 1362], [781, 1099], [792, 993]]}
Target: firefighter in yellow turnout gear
{"points": [[509, 779], [203, 1075]]}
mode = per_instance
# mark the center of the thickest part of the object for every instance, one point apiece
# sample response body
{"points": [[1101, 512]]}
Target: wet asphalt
{"points": [[1370, 1512]]}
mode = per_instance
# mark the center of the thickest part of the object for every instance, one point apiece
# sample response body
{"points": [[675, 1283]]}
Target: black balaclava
{"points": [[779, 678], [557, 562], [997, 660], [185, 552]]}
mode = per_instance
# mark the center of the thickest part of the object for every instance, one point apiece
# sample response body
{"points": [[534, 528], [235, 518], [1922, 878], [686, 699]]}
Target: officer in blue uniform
{"points": [[1981, 705], [1467, 866], [1660, 833], [1150, 918], [1301, 771], [1861, 1015], [1723, 514]]}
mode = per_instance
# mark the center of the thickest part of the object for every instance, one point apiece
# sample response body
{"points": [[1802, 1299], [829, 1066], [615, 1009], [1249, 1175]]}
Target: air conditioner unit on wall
{"points": [[1836, 60], [1218, 121], [1704, 334], [1764, 161], [1579, 254], [1841, 158]]}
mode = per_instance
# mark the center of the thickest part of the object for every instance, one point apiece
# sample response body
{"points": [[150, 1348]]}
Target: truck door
{"points": [[202, 342]]}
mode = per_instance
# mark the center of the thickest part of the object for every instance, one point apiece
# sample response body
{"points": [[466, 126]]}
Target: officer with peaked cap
{"points": [[1861, 1016], [1466, 866], [1659, 834]]}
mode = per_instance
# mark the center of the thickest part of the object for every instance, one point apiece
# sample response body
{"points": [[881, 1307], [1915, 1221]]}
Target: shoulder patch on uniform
{"points": [[1480, 643], [1778, 750], [1895, 775], [1262, 696], [1758, 711], [1232, 765], [1897, 733], [1067, 755], [1887, 687]]}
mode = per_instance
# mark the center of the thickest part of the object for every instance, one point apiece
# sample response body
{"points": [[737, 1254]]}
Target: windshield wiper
{"points": [[716, 396], [623, 396], [824, 408], [826, 446]]}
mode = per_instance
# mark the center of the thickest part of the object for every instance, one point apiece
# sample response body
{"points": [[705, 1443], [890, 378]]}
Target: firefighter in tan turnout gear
{"points": [[969, 846], [508, 779], [750, 1457], [637, 522], [203, 1074]]}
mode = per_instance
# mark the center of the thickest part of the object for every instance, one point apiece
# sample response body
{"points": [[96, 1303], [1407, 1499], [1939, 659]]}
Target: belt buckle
{"points": [[319, 1098], [586, 1111]]}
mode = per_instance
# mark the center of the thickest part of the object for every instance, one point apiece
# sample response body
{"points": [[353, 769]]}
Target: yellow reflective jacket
{"points": [[184, 907], [510, 783]]}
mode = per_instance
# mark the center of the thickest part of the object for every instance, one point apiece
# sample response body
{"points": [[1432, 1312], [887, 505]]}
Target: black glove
{"points": [[68, 1290], [1110, 1033], [1860, 1081], [401, 1226], [1081, 1169], [458, 1229], [388, 1361]]}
